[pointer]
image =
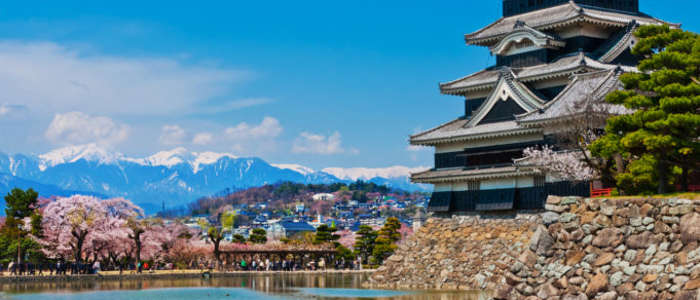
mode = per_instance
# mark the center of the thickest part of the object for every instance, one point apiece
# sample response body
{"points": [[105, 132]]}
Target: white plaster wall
{"points": [[460, 186], [442, 187], [501, 183], [453, 147], [525, 181]]}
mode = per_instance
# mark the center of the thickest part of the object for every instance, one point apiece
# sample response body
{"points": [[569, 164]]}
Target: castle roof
{"points": [[557, 16], [562, 67], [462, 174], [585, 94], [456, 130]]}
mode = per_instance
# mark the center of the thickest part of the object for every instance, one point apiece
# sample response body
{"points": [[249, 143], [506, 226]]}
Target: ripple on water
{"points": [[351, 293], [154, 294]]}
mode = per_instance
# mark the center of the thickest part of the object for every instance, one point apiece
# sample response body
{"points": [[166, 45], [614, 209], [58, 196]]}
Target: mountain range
{"points": [[168, 178]]}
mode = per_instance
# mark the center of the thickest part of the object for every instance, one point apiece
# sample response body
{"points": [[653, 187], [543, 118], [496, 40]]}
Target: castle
{"points": [[550, 55]]}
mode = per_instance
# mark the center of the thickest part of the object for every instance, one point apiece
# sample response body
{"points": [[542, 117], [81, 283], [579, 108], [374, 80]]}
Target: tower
{"points": [[549, 55]]}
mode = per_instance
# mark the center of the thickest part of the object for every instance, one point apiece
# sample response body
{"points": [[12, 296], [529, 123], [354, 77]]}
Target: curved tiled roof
{"points": [[455, 131], [590, 88], [556, 16], [625, 39], [522, 32], [462, 174], [565, 66]]}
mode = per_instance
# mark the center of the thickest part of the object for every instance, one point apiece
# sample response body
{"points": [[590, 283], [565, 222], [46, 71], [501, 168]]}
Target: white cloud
{"points": [[80, 128], [50, 77], [268, 128], [202, 138], [234, 105], [312, 143], [369, 173], [172, 135]]}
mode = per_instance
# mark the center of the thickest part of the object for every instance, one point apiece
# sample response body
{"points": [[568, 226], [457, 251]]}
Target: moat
{"points": [[245, 286]]}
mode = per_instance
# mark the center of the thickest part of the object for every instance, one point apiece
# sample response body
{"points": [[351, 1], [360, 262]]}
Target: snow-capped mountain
{"points": [[294, 167], [171, 178], [369, 173], [71, 154]]}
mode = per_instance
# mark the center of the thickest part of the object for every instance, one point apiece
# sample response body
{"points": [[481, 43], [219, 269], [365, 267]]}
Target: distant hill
{"points": [[287, 194], [171, 178]]}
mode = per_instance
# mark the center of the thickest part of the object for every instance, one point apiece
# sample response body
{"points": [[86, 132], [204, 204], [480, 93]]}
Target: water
{"points": [[244, 286]]}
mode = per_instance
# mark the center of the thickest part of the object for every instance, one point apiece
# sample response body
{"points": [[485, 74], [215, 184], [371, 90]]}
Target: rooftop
{"points": [[564, 66], [558, 16], [462, 174], [456, 131], [584, 90]]}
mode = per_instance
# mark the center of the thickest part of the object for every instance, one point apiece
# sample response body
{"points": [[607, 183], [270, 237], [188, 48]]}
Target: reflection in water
{"points": [[286, 286]]}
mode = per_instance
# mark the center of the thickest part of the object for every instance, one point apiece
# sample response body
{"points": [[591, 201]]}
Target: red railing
{"points": [[691, 188], [601, 192]]}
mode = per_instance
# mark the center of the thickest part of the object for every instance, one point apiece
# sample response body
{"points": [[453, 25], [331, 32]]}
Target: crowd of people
{"points": [[289, 265], [49, 268], [257, 264]]}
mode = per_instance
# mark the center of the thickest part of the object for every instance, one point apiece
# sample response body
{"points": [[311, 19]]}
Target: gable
{"points": [[503, 110], [507, 99]]}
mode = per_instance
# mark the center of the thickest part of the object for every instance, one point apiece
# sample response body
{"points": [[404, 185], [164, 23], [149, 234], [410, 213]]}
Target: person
{"points": [[138, 267], [321, 264], [243, 264], [96, 267], [267, 264], [12, 268]]}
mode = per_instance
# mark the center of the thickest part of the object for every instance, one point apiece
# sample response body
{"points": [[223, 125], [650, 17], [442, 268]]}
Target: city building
{"points": [[551, 55], [323, 197]]}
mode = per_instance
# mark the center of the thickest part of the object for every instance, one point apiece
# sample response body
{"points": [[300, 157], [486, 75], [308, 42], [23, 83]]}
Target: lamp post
{"points": [[19, 243]]}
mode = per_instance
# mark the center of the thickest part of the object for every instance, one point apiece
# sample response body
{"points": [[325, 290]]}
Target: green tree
{"points": [[663, 130], [325, 234], [239, 239], [364, 243], [258, 236], [228, 220], [385, 243], [215, 235], [344, 253], [21, 205]]}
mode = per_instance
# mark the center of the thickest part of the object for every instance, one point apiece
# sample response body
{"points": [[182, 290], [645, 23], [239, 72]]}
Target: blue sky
{"points": [[319, 83]]}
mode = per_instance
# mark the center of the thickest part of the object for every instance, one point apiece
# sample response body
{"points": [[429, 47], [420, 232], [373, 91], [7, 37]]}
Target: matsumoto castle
{"points": [[550, 54]]}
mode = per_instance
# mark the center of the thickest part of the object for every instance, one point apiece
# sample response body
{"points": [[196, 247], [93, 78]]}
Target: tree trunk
{"points": [[684, 179], [216, 249], [79, 240], [19, 250], [137, 243], [662, 169]]}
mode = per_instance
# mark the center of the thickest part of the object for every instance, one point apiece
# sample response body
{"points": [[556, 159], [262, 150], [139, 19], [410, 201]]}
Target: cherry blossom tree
{"points": [[568, 165], [69, 222]]}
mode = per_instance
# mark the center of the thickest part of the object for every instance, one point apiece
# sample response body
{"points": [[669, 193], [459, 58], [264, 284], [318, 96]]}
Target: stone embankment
{"points": [[577, 249], [462, 252], [610, 249]]}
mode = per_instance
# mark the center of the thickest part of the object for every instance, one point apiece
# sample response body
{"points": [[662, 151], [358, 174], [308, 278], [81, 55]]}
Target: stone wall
{"points": [[610, 249], [462, 252], [577, 249]]}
